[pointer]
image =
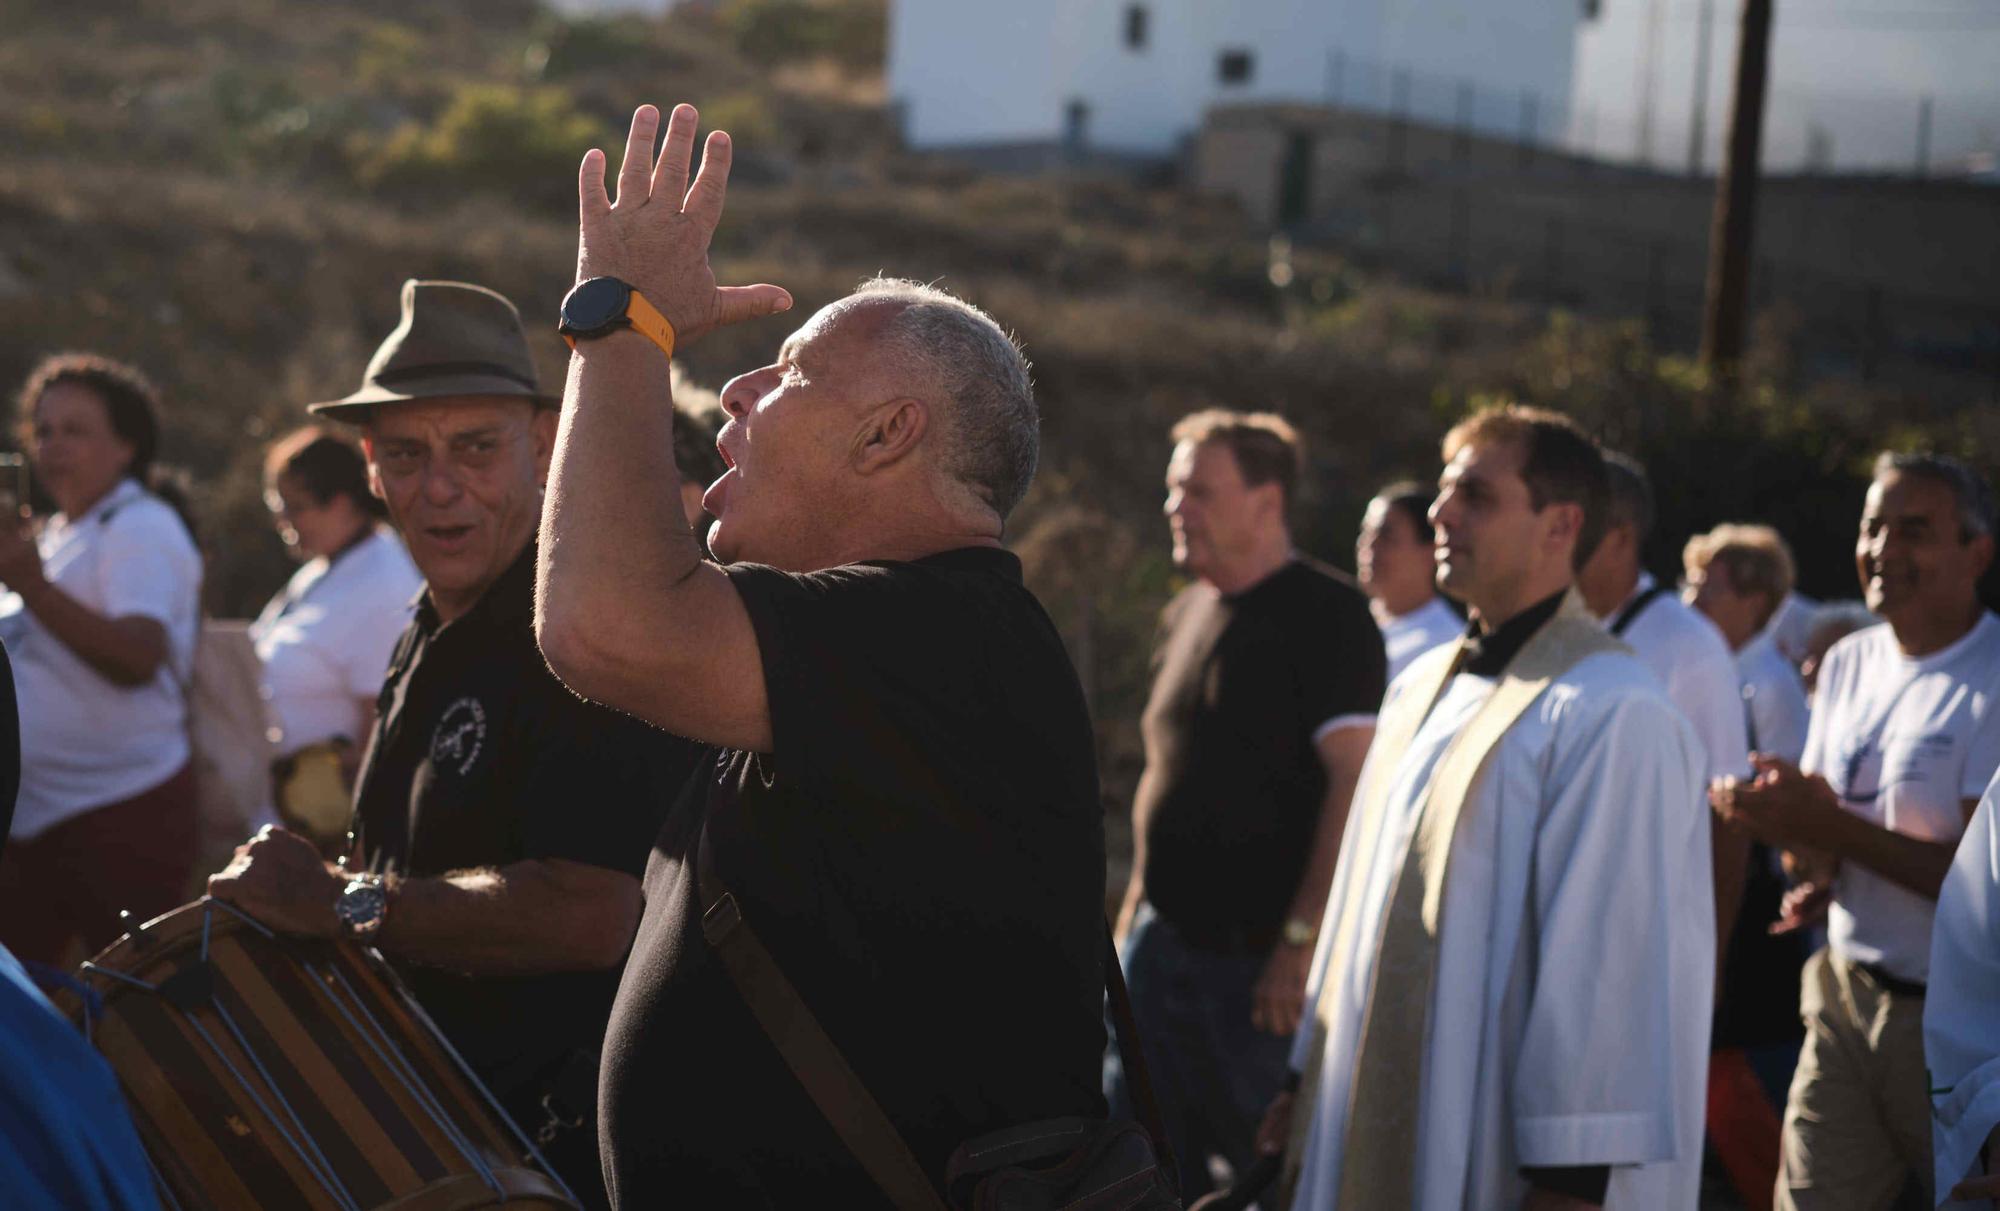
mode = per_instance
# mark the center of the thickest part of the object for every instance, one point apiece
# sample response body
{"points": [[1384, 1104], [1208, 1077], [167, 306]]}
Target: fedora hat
{"points": [[455, 339]]}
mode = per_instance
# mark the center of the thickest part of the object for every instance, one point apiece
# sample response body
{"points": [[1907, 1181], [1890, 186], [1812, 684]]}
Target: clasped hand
{"points": [[655, 235], [1778, 805], [1786, 809]]}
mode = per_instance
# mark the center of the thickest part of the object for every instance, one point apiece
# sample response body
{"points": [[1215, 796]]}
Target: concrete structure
{"points": [[1886, 278], [1135, 76]]}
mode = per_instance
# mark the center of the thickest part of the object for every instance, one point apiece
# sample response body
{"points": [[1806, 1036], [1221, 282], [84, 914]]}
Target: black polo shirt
{"points": [[481, 758], [1234, 782], [922, 853]]}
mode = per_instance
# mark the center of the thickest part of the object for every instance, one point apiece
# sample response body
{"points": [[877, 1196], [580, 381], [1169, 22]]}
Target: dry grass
{"points": [[179, 189]]}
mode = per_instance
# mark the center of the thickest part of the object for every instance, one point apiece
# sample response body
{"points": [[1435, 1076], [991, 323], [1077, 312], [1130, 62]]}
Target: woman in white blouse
{"points": [[99, 616], [326, 638]]}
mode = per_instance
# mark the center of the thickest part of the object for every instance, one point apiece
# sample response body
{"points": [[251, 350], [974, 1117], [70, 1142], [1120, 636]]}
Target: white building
{"points": [[1136, 76]]}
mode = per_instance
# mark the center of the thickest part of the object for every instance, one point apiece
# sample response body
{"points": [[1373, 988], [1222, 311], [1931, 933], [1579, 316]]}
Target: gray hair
{"points": [[1968, 487], [991, 429], [1631, 497], [1833, 621]]}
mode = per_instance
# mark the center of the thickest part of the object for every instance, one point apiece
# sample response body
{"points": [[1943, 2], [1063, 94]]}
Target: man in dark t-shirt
{"points": [[905, 808], [1267, 676], [922, 852], [501, 823]]}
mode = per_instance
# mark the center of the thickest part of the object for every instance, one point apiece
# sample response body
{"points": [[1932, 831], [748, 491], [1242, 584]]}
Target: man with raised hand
{"points": [[904, 811], [1509, 1004]]}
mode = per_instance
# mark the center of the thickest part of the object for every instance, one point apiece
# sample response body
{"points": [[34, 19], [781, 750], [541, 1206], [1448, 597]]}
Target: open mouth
{"points": [[711, 500], [449, 537]]}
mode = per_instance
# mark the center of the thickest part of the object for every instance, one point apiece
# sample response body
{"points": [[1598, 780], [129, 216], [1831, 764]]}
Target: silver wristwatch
{"points": [[362, 907]]}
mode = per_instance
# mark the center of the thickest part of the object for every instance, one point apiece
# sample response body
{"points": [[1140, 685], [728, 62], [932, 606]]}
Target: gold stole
{"points": [[1379, 1154]]}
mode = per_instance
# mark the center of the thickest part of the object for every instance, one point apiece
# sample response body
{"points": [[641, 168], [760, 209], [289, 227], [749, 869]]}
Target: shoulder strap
{"points": [[1635, 607], [1138, 1077], [853, 1113]]}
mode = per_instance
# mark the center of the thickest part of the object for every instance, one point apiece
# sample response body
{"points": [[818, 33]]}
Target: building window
{"points": [[1076, 124], [1234, 67], [1136, 19]]}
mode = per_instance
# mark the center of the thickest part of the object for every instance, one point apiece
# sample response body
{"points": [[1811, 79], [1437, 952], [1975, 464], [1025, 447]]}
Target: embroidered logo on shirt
{"points": [[460, 734]]}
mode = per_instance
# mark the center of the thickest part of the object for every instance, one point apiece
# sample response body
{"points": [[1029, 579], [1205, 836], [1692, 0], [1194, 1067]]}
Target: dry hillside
{"points": [[228, 192]]}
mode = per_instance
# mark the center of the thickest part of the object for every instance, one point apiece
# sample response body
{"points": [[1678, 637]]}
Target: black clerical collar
{"points": [[1487, 654]]}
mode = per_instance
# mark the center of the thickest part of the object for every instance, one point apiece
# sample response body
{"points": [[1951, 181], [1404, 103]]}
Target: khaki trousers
{"points": [[1857, 1123]]}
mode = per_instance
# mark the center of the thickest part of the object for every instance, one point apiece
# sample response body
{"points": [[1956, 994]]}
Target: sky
{"points": [[1848, 79]]}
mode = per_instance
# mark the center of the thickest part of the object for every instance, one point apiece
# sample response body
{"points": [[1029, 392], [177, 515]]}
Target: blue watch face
{"points": [[595, 304]]}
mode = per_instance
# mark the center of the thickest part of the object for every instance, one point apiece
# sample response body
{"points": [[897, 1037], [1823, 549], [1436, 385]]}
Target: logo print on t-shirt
{"points": [[461, 733]]}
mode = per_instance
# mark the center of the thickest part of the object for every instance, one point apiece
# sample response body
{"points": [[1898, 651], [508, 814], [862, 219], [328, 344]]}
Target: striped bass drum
{"points": [[266, 1071]]}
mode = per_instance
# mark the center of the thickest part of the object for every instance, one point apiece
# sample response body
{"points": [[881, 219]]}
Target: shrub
{"points": [[498, 137], [851, 32]]}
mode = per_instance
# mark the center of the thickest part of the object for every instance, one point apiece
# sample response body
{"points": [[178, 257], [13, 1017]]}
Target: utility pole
{"points": [[1649, 73], [1698, 122], [1730, 236], [1924, 138]]}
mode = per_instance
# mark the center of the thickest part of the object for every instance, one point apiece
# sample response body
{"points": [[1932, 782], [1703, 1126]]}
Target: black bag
{"points": [[1071, 1164], [1065, 1164]]}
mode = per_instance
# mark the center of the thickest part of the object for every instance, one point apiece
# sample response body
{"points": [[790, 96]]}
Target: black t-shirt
{"points": [[923, 855], [1234, 782], [481, 758]]}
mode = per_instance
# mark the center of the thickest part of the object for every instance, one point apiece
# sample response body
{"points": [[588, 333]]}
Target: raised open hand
{"points": [[655, 236]]}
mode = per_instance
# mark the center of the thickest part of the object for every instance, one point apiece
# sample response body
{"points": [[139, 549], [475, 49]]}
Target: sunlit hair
{"points": [[1412, 500], [1968, 487], [991, 429], [325, 465], [1560, 463], [1753, 557], [1834, 621], [1267, 448], [130, 401]]}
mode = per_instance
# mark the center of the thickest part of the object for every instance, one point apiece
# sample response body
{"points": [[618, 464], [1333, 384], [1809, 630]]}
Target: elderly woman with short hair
{"points": [[100, 616]]}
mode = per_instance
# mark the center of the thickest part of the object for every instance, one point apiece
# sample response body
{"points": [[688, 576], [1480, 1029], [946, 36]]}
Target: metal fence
{"points": [[1818, 130]]}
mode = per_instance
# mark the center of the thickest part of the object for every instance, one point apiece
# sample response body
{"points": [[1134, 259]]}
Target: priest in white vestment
{"points": [[1962, 1015], [1510, 999]]}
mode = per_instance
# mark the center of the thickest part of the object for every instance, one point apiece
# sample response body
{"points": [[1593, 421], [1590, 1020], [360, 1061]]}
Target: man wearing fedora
{"points": [[507, 910]]}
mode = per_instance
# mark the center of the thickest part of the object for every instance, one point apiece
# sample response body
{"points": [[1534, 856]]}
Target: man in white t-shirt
{"points": [[1681, 648], [1904, 737], [1396, 568]]}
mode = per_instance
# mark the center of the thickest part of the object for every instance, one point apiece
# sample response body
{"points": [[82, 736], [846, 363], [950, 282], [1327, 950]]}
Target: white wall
{"points": [[973, 71], [984, 72], [1856, 74]]}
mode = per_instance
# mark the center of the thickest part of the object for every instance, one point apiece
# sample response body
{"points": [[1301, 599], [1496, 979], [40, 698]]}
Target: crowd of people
{"points": [[1501, 874]]}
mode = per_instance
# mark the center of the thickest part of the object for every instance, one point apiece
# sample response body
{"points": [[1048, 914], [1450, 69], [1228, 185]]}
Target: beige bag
{"points": [[230, 728]]}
